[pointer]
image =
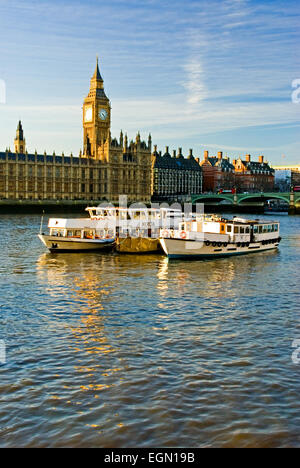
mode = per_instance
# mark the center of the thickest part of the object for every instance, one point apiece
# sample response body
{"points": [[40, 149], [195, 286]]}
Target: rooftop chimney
{"points": [[206, 153], [248, 157], [179, 155], [261, 159]]}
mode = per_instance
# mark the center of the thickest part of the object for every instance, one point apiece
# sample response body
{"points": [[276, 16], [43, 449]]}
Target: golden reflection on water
{"points": [[87, 294], [163, 276], [87, 283]]}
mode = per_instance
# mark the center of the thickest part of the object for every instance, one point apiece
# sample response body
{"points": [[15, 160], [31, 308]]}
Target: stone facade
{"points": [[44, 177], [106, 169], [175, 176]]}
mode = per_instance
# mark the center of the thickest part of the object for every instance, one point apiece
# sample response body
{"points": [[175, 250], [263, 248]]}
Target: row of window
{"points": [[22, 171], [83, 188], [258, 229], [263, 229], [238, 229]]}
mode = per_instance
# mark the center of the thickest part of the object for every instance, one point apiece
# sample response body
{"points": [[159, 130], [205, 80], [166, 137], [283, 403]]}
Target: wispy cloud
{"points": [[186, 71], [194, 81]]}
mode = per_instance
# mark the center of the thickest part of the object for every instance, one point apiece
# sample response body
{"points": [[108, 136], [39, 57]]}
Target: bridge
{"points": [[244, 199]]}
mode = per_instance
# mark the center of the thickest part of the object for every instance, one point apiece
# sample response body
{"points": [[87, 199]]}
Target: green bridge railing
{"points": [[243, 198]]}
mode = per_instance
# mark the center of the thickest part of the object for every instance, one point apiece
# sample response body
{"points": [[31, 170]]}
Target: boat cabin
{"points": [[217, 229]]}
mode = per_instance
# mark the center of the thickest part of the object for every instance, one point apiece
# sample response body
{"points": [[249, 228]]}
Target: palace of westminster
{"points": [[104, 170], [108, 168]]}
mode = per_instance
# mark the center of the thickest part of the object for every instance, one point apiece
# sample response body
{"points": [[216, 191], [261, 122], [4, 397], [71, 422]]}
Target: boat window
{"points": [[57, 232], [88, 234], [265, 229], [255, 229], [276, 227], [242, 230], [260, 229], [69, 233], [236, 229], [229, 229], [77, 234], [247, 230], [270, 228], [99, 234]]}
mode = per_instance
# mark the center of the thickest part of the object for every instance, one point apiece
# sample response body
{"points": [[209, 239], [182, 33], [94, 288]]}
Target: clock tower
{"points": [[96, 118]]}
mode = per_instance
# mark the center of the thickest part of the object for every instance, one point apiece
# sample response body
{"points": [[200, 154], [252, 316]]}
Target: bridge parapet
{"points": [[238, 199]]}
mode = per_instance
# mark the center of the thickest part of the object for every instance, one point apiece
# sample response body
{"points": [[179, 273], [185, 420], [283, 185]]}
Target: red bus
{"points": [[232, 191], [297, 188]]}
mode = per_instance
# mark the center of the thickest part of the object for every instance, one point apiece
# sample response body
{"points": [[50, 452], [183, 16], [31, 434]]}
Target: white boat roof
{"points": [[75, 223], [93, 223], [112, 208]]}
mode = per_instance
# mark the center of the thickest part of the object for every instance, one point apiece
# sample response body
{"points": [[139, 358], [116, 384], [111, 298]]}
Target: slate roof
{"points": [[255, 166], [44, 158], [224, 163], [97, 74], [178, 163]]}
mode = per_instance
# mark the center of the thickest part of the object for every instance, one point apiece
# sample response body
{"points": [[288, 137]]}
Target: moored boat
{"points": [[213, 236], [77, 235], [137, 228]]}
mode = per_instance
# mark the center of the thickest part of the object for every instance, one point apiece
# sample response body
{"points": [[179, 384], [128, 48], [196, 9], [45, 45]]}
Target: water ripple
{"points": [[112, 351]]}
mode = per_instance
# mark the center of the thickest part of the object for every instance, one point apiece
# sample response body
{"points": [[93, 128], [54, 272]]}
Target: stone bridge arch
{"points": [[264, 196], [212, 198]]}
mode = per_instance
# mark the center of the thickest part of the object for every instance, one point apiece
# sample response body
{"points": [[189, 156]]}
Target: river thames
{"points": [[106, 350]]}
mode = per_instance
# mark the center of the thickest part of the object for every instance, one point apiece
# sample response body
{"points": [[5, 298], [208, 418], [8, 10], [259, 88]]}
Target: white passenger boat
{"points": [[212, 236], [137, 228], [77, 235]]}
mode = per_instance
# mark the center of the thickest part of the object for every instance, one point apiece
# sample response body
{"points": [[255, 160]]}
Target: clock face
{"points": [[102, 114], [88, 114]]}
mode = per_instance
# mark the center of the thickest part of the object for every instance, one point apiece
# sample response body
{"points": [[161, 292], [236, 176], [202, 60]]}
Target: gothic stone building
{"points": [[106, 169]]}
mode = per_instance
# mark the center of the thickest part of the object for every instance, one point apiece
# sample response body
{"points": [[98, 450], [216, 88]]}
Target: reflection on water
{"points": [[122, 350]]}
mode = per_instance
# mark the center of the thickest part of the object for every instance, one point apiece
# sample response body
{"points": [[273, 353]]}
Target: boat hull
{"points": [[64, 245], [179, 248]]}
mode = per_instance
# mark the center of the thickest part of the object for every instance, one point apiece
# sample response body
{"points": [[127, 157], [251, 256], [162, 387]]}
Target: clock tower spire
{"points": [[20, 144], [96, 117]]}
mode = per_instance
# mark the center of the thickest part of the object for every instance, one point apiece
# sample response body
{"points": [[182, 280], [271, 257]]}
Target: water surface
{"points": [[110, 350]]}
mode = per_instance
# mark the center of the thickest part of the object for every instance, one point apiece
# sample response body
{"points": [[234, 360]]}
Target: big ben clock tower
{"points": [[96, 117]]}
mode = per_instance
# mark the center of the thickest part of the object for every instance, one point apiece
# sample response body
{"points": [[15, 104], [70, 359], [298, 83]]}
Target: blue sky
{"points": [[212, 74]]}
